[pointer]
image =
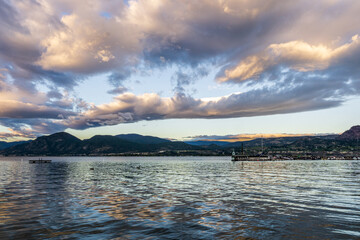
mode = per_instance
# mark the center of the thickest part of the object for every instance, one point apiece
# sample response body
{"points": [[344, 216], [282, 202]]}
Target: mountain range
{"points": [[4, 145], [62, 143]]}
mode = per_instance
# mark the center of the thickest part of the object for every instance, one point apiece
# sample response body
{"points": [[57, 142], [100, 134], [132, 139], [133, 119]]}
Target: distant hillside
{"points": [[56, 144], [4, 145], [352, 134], [102, 144], [265, 142], [280, 141], [142, 139], [59, 144]]}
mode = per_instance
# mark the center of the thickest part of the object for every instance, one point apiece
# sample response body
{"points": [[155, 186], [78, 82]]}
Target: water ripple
{"points": [[179, 198]]}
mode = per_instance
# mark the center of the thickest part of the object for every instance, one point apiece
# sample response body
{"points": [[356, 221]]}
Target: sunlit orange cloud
{"points": [[249, 137], [299, 55]]}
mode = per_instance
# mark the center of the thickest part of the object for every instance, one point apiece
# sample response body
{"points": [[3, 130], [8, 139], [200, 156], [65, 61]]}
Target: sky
{"points": [[206, 69]]}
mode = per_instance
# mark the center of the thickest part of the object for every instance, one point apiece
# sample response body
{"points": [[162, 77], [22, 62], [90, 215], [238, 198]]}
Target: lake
{"points": [[178, 198]]}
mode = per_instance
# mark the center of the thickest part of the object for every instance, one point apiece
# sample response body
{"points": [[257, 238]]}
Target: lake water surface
{"points": [[178, 198]]}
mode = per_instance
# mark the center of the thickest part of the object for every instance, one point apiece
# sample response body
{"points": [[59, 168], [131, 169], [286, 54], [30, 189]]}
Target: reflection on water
{"points": [[179, 198]]}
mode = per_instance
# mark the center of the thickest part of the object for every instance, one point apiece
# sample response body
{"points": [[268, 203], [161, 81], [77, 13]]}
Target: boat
{"points": [[40, 160]]}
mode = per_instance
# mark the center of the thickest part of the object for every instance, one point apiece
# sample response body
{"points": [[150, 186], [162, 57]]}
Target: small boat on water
{"points": [[40, 160]]}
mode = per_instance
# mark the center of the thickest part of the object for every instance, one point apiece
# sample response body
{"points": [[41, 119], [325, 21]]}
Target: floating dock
{"points": [[32, 161], [250, 158]]}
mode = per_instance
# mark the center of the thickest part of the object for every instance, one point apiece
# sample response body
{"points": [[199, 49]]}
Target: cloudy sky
{"points": [[177, 69]]}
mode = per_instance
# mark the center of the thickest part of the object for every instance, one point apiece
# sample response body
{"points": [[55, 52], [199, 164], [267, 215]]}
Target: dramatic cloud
{"points": [[16, 109], [285, 56], [129, 108], [296, 55]]}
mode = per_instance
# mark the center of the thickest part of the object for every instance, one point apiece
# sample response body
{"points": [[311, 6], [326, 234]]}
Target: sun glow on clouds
{"points": [[269, 65], [23, 134], [244, 137], [296, 55]]}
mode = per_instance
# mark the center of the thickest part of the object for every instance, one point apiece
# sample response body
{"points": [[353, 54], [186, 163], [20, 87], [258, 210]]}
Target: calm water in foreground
{"points": [[179, 198]]}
